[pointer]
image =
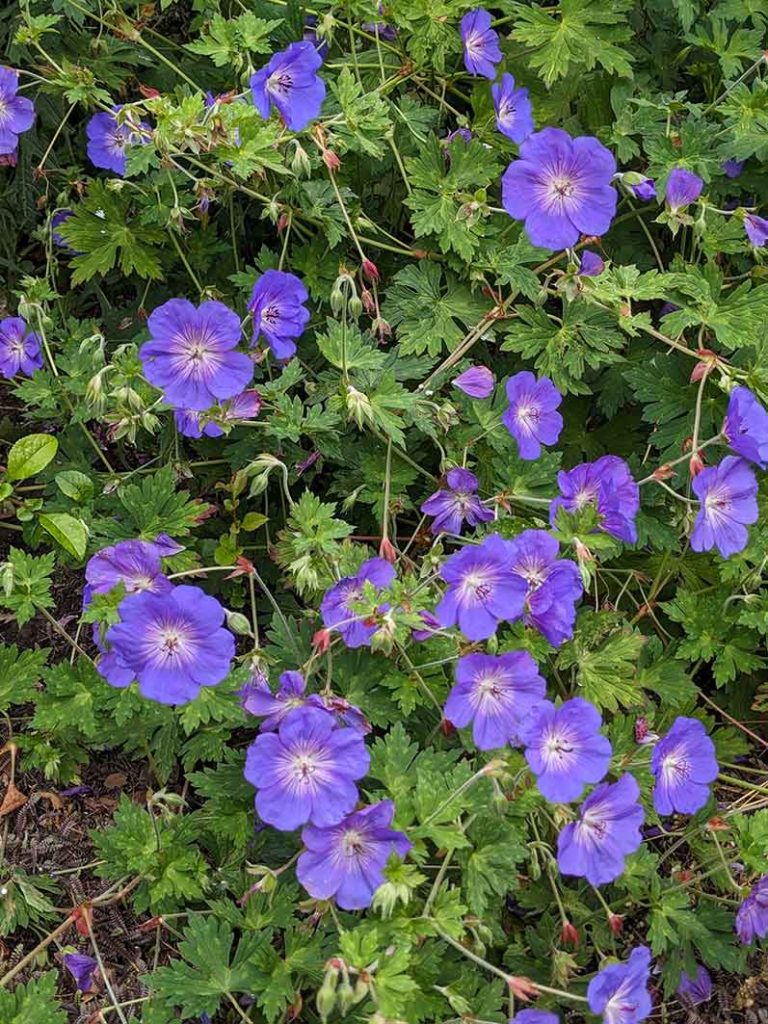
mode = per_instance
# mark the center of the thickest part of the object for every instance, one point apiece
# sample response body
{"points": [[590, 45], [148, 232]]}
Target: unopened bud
{"points": [[615, 923], [569, 935], [326, 997], [696, 464], [300, 164], [358, 406], [355, 307], [370, 270], [664, 472], [368, 302], [381, 328], [331, 160], [337, 300], [522, 988], [321, 641], [345, 995], [387, 550], [238, 623]]}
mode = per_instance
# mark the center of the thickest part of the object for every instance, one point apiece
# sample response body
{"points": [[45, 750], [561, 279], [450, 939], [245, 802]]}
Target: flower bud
{"points": [[358, 406], [355, 307], [331, 160], [345, 995], [300, 164], [6, 578], [387, 550], [368, 302], [381, 328], [370, 270], [522, 988], [569, 935], [321, 641], [615, 923], [696, 464], [326, 996], [238, 623], [337, 300]]}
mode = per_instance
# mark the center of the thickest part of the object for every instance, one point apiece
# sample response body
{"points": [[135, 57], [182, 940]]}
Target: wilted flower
{"points": [[732, 168], [564, 748], [554, 585], [108, 141], [134, 563], [620, 991], [346, 861], [456, 504], [514, 116], [481, 43], [459, 133], [290, 83], [728, 496], [257, 699], [190, 354], [683, 188], [607, 829], [494, 693], [756, 229], [591, 265], [335, 607], [277, 304], [483, 588], [696, 989], [746, 427], [20, 350], [431, 626], [173, 642], [535, 1017], [752, 915], [477, 382], [59, 218], [82, 968], [17, 113], [532, 418], [608, 485], [645, 189], [310, 35], [306, 771], [683, 765], [191, 423], [561, 187]]}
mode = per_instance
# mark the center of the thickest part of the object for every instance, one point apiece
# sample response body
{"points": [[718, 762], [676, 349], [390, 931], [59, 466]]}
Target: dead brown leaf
{"points": [[12, 801]]}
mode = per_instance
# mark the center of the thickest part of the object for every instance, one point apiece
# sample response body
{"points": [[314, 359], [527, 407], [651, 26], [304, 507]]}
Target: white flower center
{"points": [[279, 81], [675, 767], [476, 585], [717, 504], [353, 843]]}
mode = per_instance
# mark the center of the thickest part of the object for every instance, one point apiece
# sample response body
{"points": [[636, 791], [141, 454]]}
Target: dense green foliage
{"points": [[353, 436]]}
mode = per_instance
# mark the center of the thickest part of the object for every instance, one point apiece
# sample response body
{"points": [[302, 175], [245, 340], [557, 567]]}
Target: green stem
{"points": [[104, 976], [509, 979], [683, 458], [721, 854], [753, 67], [345, 214], [177, 246], [387, 486]]}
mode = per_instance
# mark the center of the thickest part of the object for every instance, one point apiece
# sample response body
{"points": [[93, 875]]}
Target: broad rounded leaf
{"points": [[75, 485], [71, 533], [30, 455]]}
